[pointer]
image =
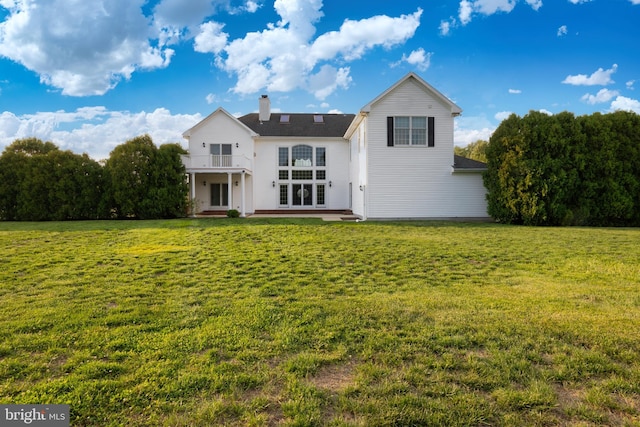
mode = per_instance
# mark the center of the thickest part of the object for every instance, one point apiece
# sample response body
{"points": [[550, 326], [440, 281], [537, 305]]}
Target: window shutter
{"points": [[431, 132], [389, 131]]}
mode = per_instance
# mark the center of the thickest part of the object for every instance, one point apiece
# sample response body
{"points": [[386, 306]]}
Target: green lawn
{"points": [[301, 322]]}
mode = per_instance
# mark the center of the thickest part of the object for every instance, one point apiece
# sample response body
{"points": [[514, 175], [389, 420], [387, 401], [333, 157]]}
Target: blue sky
{"points": [[90, 74]]}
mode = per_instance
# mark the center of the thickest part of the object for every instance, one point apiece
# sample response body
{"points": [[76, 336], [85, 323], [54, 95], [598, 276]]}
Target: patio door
{"points": [[219, 195], [302, 194]]}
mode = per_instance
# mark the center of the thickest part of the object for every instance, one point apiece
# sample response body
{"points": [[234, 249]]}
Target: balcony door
{"points": [[220, 155]]}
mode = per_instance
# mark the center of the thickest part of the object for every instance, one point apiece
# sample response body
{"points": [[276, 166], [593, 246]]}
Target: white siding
{"points": [[414, 182], [358, 168], [219, 128], [469, 200]]}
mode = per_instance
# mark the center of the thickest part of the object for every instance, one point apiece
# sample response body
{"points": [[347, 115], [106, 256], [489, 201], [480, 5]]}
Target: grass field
{"points": [[300, 322]]}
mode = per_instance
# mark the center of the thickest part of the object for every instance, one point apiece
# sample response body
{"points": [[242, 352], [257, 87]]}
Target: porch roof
{"points": [[463, 164]]}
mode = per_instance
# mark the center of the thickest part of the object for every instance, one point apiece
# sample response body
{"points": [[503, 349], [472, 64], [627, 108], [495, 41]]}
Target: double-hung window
{"points": [[410, 131]]}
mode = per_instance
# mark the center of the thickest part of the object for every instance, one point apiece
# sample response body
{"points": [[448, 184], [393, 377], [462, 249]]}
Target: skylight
{"points": [[284, 118], [318, 118]]}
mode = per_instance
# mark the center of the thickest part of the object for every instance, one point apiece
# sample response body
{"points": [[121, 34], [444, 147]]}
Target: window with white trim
{"points": [[410, 131], [302, 176]]}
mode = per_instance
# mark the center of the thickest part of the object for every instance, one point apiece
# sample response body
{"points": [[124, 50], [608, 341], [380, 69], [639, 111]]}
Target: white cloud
{"points": [[635, 1], [515, 91], [417, 58], [89, 46], [622, 103], [535, 4], [356, 37], [579, 1], [630, 83], [545, 111], [211, 98], [251, 6], [600, 77], [445, 26], [470, 129], [489, 7], [468, 8], [502, 115], [174, 15], [95, 130], [284, 56], [603, 95], [327, 80], [211, 38], [465, 11], [562, 31]]}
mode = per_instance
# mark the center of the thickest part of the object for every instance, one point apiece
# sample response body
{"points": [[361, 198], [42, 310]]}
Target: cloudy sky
{"points": [[90, 74]]}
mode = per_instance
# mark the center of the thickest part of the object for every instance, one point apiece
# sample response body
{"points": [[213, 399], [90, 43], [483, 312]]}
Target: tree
{"points": [[171, 190], [475, 150], [40, 182], [555, 170], [130, 171], [18, 164], [146, 182]]}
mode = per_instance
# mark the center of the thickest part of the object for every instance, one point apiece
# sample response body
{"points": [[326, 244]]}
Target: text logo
{"points": [[34, 415]]}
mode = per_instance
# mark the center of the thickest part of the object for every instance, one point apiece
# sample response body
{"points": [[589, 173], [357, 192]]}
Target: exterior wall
{"points": [[412, 182], [266, 171], [469, 200], [358, 169], [219, 128]]}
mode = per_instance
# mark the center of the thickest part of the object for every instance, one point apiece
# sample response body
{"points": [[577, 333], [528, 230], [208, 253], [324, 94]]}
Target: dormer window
{"points": [[284, 118]]}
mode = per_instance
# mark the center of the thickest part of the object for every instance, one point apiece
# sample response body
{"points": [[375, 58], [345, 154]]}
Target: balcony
{"points": [[213, 162]]}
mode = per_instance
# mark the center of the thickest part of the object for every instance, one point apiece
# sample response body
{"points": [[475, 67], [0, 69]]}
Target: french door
{"points": [[302, 194]]}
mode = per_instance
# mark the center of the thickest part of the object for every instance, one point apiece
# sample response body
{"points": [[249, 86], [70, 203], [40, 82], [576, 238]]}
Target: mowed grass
{"points": [[301, 322]]}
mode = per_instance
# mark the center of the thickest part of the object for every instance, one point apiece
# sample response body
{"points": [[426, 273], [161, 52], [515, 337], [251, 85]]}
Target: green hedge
{"points": [[565, 170]]}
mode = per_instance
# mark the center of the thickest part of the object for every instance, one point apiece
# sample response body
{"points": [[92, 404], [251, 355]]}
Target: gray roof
{"points": [[461, 163], [332, 126]]}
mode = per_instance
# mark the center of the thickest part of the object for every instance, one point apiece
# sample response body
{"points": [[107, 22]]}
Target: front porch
{"points": [[220, 191], [219, 182]]}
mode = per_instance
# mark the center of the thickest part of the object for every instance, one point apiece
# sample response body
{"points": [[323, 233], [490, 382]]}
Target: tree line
{"points": [[565, 170], [40, 182]]}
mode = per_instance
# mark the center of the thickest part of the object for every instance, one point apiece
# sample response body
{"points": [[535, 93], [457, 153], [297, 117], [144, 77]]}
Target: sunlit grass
{"points": [[301, 322]]}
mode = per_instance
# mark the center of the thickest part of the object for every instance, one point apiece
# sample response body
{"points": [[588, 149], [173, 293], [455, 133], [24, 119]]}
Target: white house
{"points": [[394, 159]]}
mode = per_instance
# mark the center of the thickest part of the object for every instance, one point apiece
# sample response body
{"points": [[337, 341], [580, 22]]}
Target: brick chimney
{"points": [[264, 110]]}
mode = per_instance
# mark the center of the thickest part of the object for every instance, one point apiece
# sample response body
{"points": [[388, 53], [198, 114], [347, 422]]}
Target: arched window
{"points": [[302, 156]]}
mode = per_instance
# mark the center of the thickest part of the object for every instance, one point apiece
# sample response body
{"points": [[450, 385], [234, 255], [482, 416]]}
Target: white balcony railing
{"points": [[211, 161]]}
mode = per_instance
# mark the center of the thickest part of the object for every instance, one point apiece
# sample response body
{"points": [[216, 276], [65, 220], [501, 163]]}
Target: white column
{"points": [[242, 196], [230, 189], [192, 178]]}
